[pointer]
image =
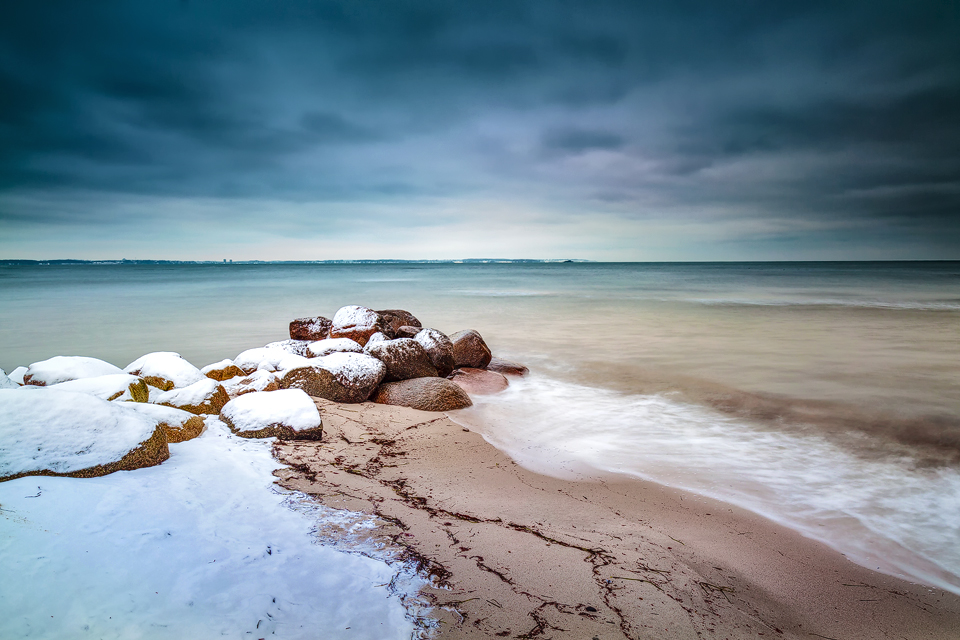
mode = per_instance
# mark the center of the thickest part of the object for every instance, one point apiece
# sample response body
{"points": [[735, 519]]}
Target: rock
{"points": [[426, 394], [407, 331], [393, 319], [202, 397], [17, 375], [405, 358], [223, 370], [259, 380], [7, 383], [469, 350], [292, 361], [50, 432], [506, 367], [311, 329], [296, 347], [118, 386], [439, 348], [178, 425], [357, 323], [479, 381], [165, 370], [289, 414], [341, 377], [333, 345], [379, 336], [260, 358], [65, 368]]}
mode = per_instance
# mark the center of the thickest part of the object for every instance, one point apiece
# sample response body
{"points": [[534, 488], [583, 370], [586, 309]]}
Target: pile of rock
{"points": [[360, 354]]}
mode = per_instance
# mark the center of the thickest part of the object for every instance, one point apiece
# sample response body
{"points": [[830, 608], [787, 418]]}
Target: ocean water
{"points": [[825, 396]]}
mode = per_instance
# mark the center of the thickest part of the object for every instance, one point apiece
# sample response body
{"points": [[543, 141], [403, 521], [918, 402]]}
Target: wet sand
{"points": [[520, 555]]}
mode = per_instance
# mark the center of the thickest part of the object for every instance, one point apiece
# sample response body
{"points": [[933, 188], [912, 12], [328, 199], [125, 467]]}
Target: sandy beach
{"points": [[516, 554]]}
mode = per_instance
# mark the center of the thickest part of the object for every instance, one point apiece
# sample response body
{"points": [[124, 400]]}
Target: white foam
{"points": [[883, 513]]}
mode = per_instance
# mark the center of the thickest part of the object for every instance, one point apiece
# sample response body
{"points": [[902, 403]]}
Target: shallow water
{"points": [[823, 395]]}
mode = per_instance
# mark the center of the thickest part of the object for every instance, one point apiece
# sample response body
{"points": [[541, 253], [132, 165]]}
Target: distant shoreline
{"points": [[122, 261]]}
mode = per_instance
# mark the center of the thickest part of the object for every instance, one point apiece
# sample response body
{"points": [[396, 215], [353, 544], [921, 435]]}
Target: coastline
{"points": [[516, 554]]}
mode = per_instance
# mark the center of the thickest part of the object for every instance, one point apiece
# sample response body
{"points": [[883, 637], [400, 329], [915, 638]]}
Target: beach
{"points": [[512, 553]]}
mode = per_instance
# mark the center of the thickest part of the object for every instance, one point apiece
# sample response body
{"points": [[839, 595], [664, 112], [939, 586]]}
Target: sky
{"points": [[310, 130]]}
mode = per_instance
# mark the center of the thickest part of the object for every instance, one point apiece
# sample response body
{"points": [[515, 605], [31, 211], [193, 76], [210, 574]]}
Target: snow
{"points": [[353, 369], [17, 374], [293, 361], [167, 365], [289, 407], [217, 366], [259, 380], [64, 368], [355, 316], [64, 431], [201, 546], [377, 337], [260, 358], [113, 387], [7, 383], [158, 413], [298, 347], [334, 345], [194, 394]]}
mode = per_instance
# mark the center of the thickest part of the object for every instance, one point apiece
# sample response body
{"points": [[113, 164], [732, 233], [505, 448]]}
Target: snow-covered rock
{"points": [[404, 358], [315, 328], [205, 396], [259, 380], [298, 347], [64, 368], [439, 348], [7, 383], [334, 345], [118, 386], [288, 414], [341, 377], [165, 370], [393, 319], [356, 322], [379, 336], [54, 432], [177, 425], [17, 375], [260, 358], [292, 361], [223, 370]]}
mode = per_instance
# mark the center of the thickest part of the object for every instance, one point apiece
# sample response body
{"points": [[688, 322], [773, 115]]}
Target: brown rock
{"points": [[315, 328], [407, 331], [506, 367], [479, 381], [203, 397], [469, 350], [357, 323], [341, 377], [223, 370], [426, 394], [393, 319], [404, 358], [439, 348]]}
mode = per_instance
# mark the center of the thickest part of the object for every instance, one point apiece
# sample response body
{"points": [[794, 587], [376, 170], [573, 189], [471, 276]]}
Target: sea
{"points": [[822, 395]]}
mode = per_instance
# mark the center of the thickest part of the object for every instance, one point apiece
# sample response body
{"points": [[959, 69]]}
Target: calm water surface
{"points": [[823, 395]]}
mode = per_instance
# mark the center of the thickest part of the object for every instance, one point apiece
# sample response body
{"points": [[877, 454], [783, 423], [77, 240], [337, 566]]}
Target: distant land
{"points": [[125, 261]]}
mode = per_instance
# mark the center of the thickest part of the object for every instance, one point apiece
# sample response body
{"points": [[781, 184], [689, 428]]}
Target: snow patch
{"points": [[288, 407], [194, 394], [112, 387], [353, 315], [17, 374], [353, 369], [64, 368], [334, 345], [7, 383], [217, 366], [167, 365]]}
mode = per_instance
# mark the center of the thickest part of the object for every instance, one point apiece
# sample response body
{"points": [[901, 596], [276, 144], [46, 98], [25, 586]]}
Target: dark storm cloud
{"points": [[820, 111]]}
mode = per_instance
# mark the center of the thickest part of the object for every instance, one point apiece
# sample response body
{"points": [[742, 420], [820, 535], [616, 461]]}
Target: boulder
{"points": [[65, 368], [426, 394], [439, 348], [178, 425], [379, 336], [289, 414], [205, 396], [17, 375], [469, 350], [506, 367], [341, 377], [296, 347], [405, 358], [357, 323], [334, 345], [311, 329], [165, 370], [407, 331], [260, 358], [118, 386], [50, 432], [479, 381], [223, 370], [393, 319], [259, 380]]}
